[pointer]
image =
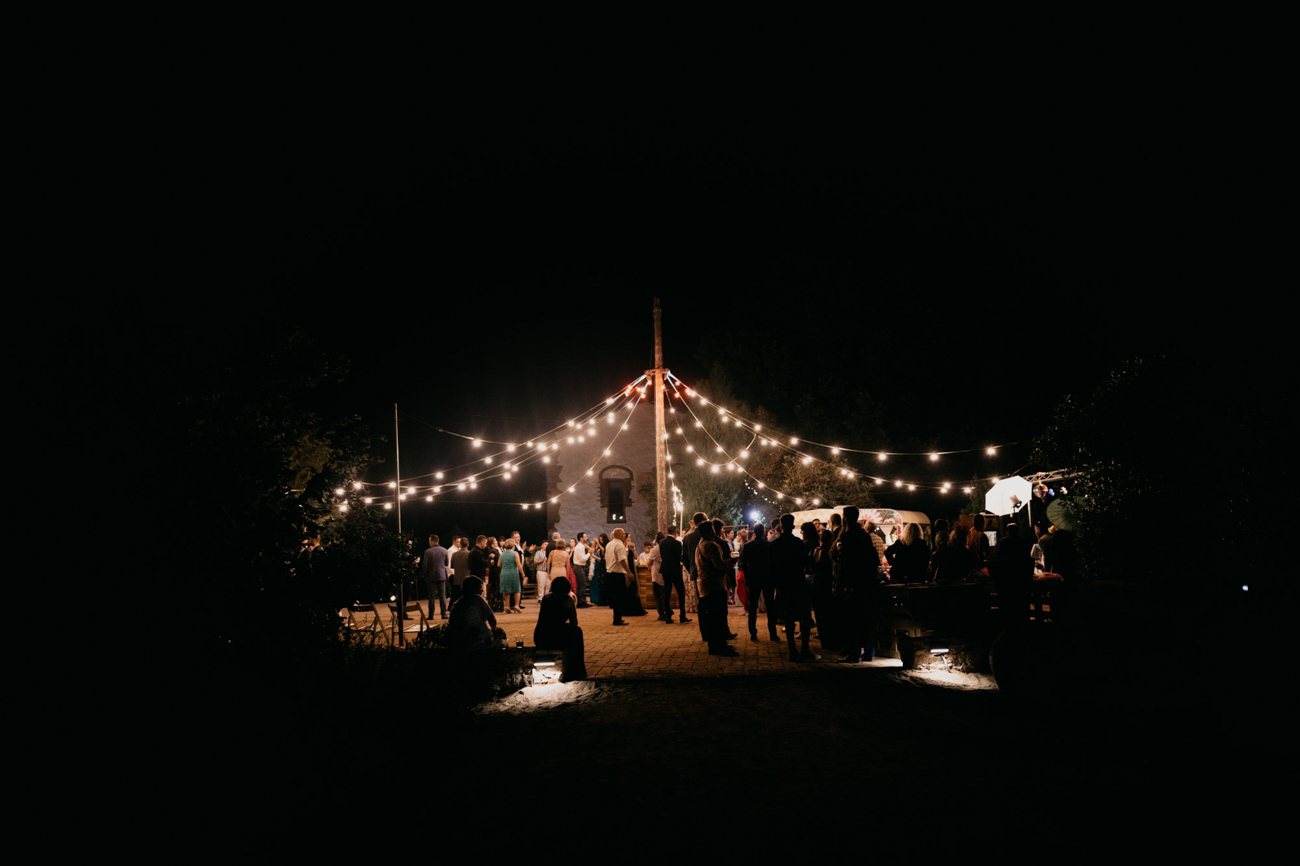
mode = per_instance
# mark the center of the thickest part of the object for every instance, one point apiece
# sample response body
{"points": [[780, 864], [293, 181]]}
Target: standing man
{"points": [[459, 566], [616, 573], [689, 543], [859, 564], [754, 561], [670, 566], [433, 565], [480, 559], [580, 557], [787, 557]]}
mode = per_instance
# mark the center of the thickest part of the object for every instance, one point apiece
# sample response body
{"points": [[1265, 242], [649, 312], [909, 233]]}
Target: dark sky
{"points": [[490, 275]]}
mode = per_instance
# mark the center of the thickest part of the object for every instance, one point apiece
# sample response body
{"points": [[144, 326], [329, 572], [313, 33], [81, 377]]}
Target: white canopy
{"points": [[999, 498]]}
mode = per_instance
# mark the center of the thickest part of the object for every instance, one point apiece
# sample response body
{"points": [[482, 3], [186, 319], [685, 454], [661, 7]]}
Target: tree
{"points": [[729, 469], [1177, 468], [252, 456]]}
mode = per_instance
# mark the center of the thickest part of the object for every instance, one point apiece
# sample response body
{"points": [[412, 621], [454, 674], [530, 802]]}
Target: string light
{"points": [[725, 418]]}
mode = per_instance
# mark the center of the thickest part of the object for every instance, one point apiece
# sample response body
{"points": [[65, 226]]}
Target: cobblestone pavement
{"points": [[646, 648]]}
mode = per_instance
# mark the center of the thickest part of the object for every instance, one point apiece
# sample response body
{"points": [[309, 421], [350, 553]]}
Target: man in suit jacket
{"points": [[689, 543], [754, 562], [459, 566], [433, 565], [670, 567]]}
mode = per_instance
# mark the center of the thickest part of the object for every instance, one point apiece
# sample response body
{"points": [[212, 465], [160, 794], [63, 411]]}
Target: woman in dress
{"points": [[597, 567], [512, 567], [494, 576], [557, 563], [632, 595]]}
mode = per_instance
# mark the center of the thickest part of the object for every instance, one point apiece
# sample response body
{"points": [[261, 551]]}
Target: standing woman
{"points": [[512, 568], [632, 593], [823, 589], [557, 563], [494, 576], [598, 567]]}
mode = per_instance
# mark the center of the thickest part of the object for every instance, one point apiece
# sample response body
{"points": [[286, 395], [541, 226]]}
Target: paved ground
{"points": [[667, 751], [647, 648]]}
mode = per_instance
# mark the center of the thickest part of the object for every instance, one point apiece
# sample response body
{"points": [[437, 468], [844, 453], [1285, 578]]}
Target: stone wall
{"points": [[581, 510]]}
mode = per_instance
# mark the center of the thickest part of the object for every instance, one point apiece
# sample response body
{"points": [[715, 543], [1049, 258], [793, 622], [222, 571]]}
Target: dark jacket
{"points": [[670, 558], [786, 556], [754, 561], [689, 543], [858, 560], [433, 565]]}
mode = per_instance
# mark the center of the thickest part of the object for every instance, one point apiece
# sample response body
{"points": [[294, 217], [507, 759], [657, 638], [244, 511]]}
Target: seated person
{"points": [[472, 625], [557, 629]]}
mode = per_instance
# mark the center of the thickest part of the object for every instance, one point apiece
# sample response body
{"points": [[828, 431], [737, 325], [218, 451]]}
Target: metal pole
{"points": [[397, 503], [661, 460]]}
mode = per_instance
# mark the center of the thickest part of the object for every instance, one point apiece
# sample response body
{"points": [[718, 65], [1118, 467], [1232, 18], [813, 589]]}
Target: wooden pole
{"points": [[661, 460], [397, 503]]}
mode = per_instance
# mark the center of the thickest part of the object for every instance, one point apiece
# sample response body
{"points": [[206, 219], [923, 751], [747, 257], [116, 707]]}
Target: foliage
{"points": [[768, 470], [250, 428], [979, 488], [361, 561], [1175, 466]]}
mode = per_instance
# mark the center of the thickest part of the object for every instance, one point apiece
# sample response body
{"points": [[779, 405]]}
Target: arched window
{"points": [[616, 492]]}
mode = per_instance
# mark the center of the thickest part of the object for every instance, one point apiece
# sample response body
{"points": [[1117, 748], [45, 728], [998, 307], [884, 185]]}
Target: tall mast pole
{"points": [[661, 454], [397, 503]]}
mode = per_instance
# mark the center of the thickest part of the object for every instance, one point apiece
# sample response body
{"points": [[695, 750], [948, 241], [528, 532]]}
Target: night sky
{"points": [[490, 276]]}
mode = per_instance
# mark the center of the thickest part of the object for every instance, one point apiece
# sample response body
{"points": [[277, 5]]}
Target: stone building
{"points": [[606, 488]]}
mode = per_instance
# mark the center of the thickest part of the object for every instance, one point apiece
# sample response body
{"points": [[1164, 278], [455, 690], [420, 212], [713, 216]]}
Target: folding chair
{"points": [[362, 621]]}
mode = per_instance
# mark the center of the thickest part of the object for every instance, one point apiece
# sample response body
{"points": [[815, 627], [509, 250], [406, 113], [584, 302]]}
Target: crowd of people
{"points": [[820, 577]]}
